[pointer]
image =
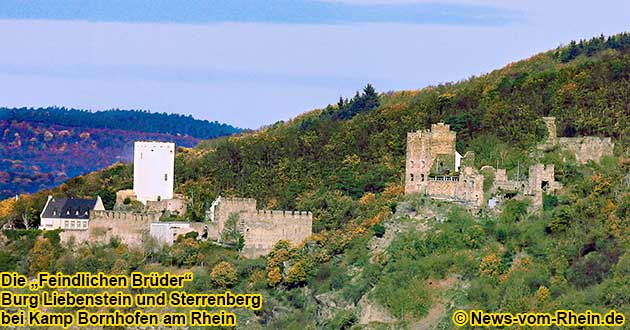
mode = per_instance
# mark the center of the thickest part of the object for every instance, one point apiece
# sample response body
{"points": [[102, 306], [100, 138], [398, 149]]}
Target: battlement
{"points": [[441, 128], [123, 216], [238, 200], [261, 228], [154, 144], [283, 214]]}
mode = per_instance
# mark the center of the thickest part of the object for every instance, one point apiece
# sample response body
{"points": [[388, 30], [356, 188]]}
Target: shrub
{"points": [[549, 202], [223, 274], [379, 230], [589, 270]]}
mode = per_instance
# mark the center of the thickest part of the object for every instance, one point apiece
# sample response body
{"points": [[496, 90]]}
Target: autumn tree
{"points": [[223, 274], [42, 256]]}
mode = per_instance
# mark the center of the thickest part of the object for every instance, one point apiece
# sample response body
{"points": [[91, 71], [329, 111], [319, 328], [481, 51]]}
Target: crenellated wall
{"points": [[130, 227], [225, 207], [261, 229]]}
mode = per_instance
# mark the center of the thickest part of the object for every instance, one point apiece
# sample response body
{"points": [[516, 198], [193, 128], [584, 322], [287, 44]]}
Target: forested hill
{"points": [[41, 148], [357, 145], [122, 120]]}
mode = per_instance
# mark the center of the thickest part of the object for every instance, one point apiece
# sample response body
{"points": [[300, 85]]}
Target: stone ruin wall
{"points": [[121, 195], [418, 162], [532, 188], [552, 132], [585, 148], [130, 227], [226, 207], [442, 139], [540, 174], [177, 205], [502, 182], [264, 228], [422, 149], [468, 189]]}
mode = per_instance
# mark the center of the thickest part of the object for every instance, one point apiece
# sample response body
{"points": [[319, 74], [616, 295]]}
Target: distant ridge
{"points": [[43, 147], [121, 119]]}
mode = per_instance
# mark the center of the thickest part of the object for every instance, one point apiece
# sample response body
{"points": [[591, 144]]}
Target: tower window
{"points": [[165, 176], [421, 177], [411, 177]]}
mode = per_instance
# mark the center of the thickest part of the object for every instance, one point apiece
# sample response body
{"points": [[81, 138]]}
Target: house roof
{"points": [[69, 208]]}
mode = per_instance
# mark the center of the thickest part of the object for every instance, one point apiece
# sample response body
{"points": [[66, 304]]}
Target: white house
{"points": [[153, 167], [68, 214]]}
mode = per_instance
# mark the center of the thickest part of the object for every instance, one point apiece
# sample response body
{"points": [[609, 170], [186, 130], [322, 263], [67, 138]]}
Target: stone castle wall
{"points": [[540, 180], [430, 167], [130, 227], [121, 195], [427, 152], [261, 229], [226, 207], [442, 139], [585, 148], [588, 148], [266, 228], [177, 205]]}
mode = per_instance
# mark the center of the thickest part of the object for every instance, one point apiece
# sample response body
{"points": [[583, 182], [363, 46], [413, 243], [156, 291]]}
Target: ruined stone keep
{"points": [[434, 168]]}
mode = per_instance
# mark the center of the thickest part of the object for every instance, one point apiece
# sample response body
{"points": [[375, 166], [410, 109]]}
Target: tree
{"points": [[231, 231], [370, 97], [223, 274], [570, 53], [41, 257], [274, 277], [298, 274], [109, 198]]}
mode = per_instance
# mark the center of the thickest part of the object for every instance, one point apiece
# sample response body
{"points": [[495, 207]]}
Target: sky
{"points": [[251, 63]]}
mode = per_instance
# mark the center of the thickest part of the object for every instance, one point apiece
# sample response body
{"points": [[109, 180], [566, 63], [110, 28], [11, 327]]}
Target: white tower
{"points": [[153, 164]]}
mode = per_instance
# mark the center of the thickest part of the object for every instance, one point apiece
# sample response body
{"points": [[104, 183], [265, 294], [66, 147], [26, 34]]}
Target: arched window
{"points": [[411, 177], [421, 177]]}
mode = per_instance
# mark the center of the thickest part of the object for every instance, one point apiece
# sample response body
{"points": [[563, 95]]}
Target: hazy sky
{"points": [[251, 63]]}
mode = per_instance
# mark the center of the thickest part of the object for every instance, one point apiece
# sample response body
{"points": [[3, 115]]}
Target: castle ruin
{"points": [[434, 168], [540, 181], [585, 148]]}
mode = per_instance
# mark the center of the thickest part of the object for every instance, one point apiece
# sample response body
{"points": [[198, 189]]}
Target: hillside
{"points": [[402, 262], [41, 148]]}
